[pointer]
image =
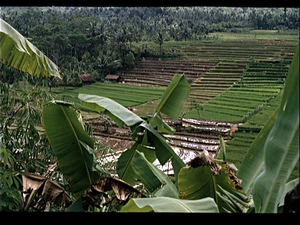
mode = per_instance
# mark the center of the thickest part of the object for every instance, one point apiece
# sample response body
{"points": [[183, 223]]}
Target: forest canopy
{"points": [[102, 40]]}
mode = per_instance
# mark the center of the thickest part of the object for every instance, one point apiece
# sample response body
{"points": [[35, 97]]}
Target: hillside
{"points": [[233, 95]]}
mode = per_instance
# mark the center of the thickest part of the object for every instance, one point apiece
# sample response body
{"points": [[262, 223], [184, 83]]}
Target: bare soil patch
{"points": [[191, 137]]}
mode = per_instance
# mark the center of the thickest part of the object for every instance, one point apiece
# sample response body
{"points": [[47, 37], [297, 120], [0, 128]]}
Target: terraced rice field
{"points": [[239, 50], [215, 81], [236, 86], [161, 72], [247, 95]]}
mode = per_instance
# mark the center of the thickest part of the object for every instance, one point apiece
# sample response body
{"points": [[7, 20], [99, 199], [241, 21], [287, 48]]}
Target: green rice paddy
{"points": [[245, 86]]}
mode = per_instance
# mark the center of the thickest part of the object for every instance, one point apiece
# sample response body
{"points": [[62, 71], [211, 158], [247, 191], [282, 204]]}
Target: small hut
{"points": [[87, 79], [113, 78]]}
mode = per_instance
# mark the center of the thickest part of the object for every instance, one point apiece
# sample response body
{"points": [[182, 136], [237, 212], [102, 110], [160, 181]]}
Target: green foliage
{"points": [[126, 95], [166, 204], [10, 182], [18, 52], [156, 181], [129, 60], [177, 92], [73, 147], [281, 150], [277, 149], [117, 112], [254, 158], [93, 46], [174, 97], [160, 39], [101, 38], [21, 128], [218, 182]]}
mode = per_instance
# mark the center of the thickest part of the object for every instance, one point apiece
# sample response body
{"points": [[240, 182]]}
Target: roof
{"points": [[112, 77], [87, 77]]}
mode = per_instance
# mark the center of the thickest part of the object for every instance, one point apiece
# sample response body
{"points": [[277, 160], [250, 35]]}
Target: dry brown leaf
{"points": [[122, 191], [51, 191]]}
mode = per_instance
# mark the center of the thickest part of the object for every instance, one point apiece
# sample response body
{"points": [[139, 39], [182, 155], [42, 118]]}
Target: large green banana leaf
{"points": [[253, 163], [16, 51], [200, 182], [163, 150], [73, 147], [166, 204], [281, 150], [124, 167], [117, 112], [155, 180], [174, 97]]}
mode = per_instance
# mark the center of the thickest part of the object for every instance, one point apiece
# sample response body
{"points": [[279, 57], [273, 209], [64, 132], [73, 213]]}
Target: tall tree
{"points": [[160, 39]]}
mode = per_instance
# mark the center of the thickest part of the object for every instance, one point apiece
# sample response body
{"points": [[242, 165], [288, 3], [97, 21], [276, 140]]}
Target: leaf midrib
{"points": [[77, 140]]}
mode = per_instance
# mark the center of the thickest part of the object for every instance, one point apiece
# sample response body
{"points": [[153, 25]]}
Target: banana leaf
{"points": [[253, 163], [155, 180], [50, 190], [167, 204], [116, 111], [163, 150], [281, 150], [122, 116], [124, 168], [215, 179], [72, 145], [16, 51], [171, 104], [161, 126], [174, 97]]}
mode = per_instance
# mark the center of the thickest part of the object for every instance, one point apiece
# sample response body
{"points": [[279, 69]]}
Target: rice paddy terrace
{"points": [[160, 73], [236, 86]]}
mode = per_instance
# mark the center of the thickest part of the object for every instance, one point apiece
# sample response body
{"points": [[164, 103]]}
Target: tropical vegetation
{"points": [[101, 40], [48, 155]]}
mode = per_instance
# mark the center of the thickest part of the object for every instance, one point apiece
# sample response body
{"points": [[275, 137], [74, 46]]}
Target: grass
{"points": [[259, 119], [126, 95], [237, 148], [258, 34]]}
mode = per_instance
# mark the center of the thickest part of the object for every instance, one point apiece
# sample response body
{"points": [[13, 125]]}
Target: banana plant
{"points": [[151, 142], [74, 148], [216, 179], [135, 164]]}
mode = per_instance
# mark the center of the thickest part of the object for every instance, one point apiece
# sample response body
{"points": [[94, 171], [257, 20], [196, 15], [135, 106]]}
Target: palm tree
{"points": [[160, 39], [101, 32], [186, 33], [120, 39], [97, 34]]}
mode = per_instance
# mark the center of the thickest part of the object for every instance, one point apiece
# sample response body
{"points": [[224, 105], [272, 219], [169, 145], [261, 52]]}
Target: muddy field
{"points": [[191, 136]]}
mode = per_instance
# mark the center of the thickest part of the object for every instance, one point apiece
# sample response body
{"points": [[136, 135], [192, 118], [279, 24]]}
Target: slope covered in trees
{"points": [[99, 40]]}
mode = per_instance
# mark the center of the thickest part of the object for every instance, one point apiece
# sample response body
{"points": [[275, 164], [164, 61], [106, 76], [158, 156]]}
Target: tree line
{"points": [[102, 40]]}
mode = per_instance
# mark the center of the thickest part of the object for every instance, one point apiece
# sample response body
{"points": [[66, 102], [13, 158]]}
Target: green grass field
{"points": [[126, 95], [258, 34], [247, 96]]}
